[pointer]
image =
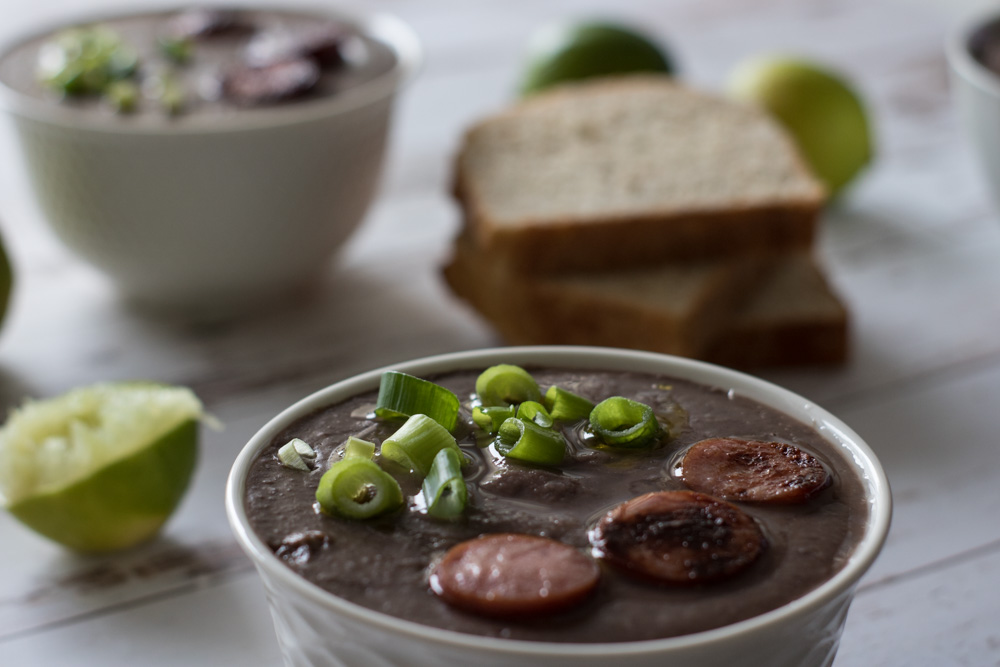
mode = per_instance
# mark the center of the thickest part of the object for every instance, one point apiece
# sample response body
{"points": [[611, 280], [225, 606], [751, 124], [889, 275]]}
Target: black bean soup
{"points": [[384, 563], [176, 64]]}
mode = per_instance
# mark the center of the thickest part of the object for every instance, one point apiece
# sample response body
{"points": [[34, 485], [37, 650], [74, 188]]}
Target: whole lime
{"points": [[102, 467], [6, 280], [570, 52], [818, 107]]}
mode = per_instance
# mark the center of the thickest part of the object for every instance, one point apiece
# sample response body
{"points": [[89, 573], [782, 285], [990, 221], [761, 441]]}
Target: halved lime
{"points": [[558, 54], [101, 467]]}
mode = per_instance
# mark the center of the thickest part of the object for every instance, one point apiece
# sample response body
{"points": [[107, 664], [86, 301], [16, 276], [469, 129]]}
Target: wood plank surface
{"points": [[914, 249]]}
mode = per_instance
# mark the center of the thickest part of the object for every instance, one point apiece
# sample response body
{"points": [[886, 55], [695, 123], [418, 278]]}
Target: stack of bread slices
{"points": [[636, 212]]}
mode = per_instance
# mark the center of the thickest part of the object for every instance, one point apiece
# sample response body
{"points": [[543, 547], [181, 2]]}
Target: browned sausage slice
{"points": [[507, 574], [753, 471], [678, 537], [274, 83]]}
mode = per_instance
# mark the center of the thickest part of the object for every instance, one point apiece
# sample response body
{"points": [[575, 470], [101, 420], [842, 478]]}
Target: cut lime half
{"points": [[102, 467]]}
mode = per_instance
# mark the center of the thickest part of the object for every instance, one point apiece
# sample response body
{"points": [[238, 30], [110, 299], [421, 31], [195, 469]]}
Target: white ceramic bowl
{"points": [[213, 211], [317, 628], [976, 91]]}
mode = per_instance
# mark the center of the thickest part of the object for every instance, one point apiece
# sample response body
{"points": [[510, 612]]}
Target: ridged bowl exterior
{"points": [[316, 628]]}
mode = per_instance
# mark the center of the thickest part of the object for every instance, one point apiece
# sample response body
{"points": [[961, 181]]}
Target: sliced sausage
{"points": [[507, 574], [249, 86], [753, 471], [207, 23], [324, 44], [678, 537]]}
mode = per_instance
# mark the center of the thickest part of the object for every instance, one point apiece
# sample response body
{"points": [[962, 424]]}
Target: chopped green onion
{"points": [[176, 49], [356, 448], [401, 395], [416, 443], [168, 90], [536, 412], [122, 95], [296, 454], [504, 384], [84, 61], [444, 489], [622, 422], [566, 406], [489, 418], [358, 489], [527, 441]]}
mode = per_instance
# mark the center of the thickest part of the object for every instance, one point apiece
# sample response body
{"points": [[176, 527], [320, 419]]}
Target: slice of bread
{"points": [[628, 171], [673, 307], [791, 318]]}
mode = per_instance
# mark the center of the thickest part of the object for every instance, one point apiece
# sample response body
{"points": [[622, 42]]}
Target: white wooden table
{"points": [[914, 249]]}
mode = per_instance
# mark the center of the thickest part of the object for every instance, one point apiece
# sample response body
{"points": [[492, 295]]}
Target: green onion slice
{"points": [[417, 442], [401, 395], [444, 489], [505, 384], [83, 61], [356, 448], [296, 454], [622, 422], [176, 49], [358, 489], [489, 418], [566, 406], [526, 441], [123, 96], [536, 412]]}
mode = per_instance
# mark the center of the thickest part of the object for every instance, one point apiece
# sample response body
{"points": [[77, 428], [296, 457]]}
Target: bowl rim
{"points": [[959, 56], [836, 431], [386, 28]]}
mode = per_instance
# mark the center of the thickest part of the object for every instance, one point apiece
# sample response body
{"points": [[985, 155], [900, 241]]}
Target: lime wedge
{"points": [[102, 467]]}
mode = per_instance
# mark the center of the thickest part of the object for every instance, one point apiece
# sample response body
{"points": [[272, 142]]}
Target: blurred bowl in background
{"points": [[214, 211], [973, 52]]}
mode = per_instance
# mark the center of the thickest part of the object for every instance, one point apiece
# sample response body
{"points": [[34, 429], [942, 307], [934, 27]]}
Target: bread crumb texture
{"points": [[630, 146]]}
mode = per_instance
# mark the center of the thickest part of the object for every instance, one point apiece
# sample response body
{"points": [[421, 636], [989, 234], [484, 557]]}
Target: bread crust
{"points": [[546, 241], [767, 326]]}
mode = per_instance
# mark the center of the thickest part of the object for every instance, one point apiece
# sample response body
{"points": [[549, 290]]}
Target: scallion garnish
{"points": [[505, 384], [622, 422], [564, 405], [536, 412], [417, 442], [401, 395], [526, 441], [355, 448], [297, 454], [444, 488], [489, 418], [123, 96], [176, 49], [357, 488]]}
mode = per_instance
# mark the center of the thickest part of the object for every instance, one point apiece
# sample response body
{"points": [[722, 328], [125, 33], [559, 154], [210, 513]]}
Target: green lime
{"points": [[819, 109], [102, 467], [579, 51], [6, 280]]}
